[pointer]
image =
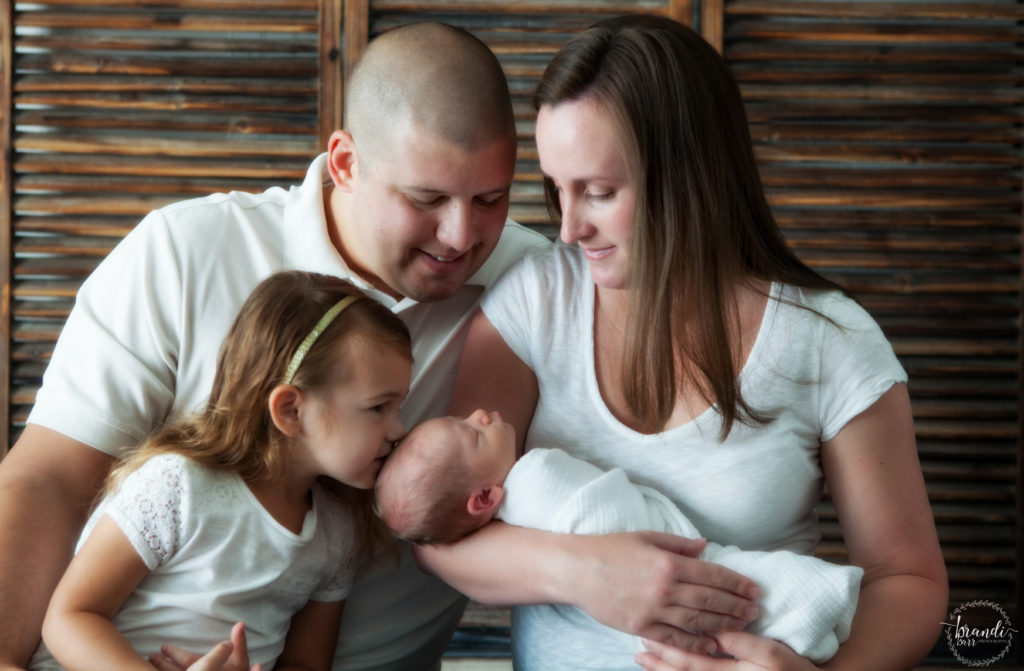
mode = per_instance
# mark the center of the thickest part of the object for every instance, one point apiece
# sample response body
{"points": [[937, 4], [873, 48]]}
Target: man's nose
{"points": [[456, 229]]}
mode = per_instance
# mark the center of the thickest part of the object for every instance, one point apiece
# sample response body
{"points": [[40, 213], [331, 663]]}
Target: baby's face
{"points": [[486, 443]]}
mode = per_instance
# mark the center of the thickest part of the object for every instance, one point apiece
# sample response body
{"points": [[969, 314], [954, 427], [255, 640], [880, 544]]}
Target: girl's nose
{"points": [[395, 431]]}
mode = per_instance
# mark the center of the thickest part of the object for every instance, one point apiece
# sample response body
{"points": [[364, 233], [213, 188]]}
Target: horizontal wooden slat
{"points": [[877, 10], [284, 170], [889, 33], [114, 185], [218, 5], [170, 101], [67, 43], [522, 6], [147, 145], [236, 122], [165, 21]]}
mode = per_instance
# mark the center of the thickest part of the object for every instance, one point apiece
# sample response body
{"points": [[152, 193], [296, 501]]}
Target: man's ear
{"points": [[341, 159], [283, 404], [485, 500]]}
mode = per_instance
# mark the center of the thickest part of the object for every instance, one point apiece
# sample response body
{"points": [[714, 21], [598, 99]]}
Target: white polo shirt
{"points": [[140, 347]]}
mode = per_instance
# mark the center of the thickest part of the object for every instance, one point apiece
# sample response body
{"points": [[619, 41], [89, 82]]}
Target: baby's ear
{"points": [[284, 404], [485, 500]]}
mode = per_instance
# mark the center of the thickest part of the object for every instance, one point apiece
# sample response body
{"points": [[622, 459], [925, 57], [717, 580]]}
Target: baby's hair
{"points": [[235, 432], [433, 486]]}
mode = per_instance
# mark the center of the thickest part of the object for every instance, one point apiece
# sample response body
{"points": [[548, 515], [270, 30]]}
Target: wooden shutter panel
{"points": [[889, 139], [120, 107]]}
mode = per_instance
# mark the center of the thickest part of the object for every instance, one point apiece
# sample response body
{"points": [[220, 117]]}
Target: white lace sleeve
{"points": [[149, 505]]}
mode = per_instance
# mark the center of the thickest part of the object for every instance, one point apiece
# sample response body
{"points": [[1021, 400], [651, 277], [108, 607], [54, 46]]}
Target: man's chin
{"points": [[436, 290]]}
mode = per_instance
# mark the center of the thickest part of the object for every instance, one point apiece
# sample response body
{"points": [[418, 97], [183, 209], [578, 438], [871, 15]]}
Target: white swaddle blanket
{"points": [[807, 603]]}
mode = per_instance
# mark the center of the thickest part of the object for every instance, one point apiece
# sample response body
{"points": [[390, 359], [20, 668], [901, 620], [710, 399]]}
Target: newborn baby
{"points": [[450, 476]]}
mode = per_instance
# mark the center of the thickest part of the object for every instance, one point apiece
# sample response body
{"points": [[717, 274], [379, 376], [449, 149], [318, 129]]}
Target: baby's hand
{"points": [[230, 655]]}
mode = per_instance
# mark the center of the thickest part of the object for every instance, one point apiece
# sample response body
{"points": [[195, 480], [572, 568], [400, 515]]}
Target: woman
{"points": [[682, 340]]}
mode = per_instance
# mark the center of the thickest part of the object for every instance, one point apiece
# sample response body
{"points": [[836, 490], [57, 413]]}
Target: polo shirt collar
{"points": [[307, 245]]}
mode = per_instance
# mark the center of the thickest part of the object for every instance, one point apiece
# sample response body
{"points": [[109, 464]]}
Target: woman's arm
{"points": [[77, 628], [642, 583], [876, 484], [875, 480]]}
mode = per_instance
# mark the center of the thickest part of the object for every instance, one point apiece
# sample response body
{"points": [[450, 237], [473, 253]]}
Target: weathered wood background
{"points": [[889, 135]]}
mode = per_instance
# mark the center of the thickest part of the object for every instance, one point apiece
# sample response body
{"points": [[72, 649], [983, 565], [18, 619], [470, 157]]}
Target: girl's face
{"points": [[349, 427], [581, 152]]}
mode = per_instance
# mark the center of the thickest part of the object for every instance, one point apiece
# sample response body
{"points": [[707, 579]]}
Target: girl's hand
{"points": [[749, 652], [230, 655]]}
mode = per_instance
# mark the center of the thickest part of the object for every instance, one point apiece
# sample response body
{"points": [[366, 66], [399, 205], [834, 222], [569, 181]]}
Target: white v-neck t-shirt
{"points": [[758, 489]]}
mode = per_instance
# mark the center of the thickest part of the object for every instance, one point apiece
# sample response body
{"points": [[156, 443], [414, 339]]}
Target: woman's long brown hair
{"points": [[702, 224]]}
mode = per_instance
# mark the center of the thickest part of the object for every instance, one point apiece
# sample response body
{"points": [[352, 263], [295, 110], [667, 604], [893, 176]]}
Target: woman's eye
{"points": [[599, 195]]}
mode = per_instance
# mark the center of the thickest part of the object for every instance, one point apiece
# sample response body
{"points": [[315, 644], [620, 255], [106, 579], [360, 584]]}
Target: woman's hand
{"points": [[649, 584], [230, 655], [747, 652], [643, 583]]}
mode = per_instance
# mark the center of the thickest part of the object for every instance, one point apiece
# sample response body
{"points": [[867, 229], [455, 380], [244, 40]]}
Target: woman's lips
{"points": [[598, 254]]}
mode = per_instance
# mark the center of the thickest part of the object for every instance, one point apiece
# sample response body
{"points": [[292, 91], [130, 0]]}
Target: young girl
{"points": [[220, 519]]}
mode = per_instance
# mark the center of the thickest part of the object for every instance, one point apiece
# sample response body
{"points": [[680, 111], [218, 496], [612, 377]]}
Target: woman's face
{"points": [[581, 152]]}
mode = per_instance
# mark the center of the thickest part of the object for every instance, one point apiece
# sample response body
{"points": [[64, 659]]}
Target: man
{"points": [[409, 202]]}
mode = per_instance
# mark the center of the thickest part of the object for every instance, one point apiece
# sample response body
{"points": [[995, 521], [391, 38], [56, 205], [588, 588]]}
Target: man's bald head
{"points": [[432, 77]]}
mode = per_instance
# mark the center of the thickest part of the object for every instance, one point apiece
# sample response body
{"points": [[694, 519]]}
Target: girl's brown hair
{"points": [[702, 225], [235, 432]]}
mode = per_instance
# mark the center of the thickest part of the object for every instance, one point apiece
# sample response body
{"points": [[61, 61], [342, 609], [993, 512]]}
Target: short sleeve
{"points": [[507, 305], [149, 507], [857, 362], [112, 375]]}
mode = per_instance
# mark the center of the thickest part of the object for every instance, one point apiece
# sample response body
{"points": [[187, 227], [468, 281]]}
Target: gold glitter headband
{"points": [[321, 326]]}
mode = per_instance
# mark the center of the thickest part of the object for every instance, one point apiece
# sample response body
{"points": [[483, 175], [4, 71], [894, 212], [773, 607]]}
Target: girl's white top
{"points": [[216, 557]]}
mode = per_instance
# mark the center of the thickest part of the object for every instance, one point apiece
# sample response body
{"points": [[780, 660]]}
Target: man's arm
{"points": [[47, 484]]}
